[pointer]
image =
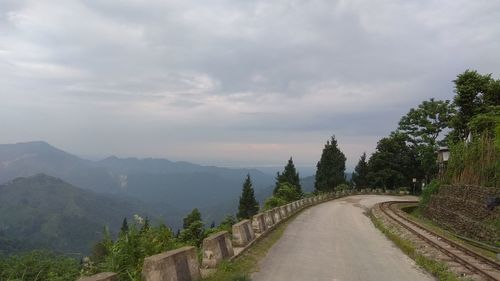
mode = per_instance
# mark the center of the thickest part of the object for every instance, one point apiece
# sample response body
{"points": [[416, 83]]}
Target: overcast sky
{"points": [[232, 83]]}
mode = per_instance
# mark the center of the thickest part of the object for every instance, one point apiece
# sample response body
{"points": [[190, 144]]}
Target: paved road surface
{"points": [[336, 241]]}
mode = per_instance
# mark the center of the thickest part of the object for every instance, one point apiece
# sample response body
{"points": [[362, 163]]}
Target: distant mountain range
{"points": [[45, 212], [175, 187]]}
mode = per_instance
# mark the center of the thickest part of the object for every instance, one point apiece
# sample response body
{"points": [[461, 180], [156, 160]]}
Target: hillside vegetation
{"points": [[45, 212]]}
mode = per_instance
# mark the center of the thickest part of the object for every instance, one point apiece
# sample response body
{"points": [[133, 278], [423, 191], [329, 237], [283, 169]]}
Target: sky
{"points": [[230, 82]]}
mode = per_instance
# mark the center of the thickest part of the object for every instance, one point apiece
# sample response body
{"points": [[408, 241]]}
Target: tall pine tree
{"points": [[330, 168], [248, 205], [359, 177], [289, 175]]}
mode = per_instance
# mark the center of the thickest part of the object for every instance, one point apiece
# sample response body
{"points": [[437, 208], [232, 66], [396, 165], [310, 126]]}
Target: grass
{"points": [[241, 268], [436, 268]]}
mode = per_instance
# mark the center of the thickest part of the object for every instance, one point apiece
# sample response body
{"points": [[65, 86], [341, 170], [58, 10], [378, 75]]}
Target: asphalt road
{"points": [[337, 241]]}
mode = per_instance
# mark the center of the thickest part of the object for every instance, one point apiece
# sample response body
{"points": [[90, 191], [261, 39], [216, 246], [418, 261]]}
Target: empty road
{"points": [[336, 241]]}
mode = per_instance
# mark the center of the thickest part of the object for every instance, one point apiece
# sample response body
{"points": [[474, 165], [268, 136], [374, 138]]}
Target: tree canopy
{"points": [[330, 170], [289, 175], [392, 164], [360, 175], [248, 205], [475, 94]]}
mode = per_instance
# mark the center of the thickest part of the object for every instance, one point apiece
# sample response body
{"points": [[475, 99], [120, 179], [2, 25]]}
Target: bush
{"points": [[273, 202], [429, 190], [125, 256], [39, 265]]}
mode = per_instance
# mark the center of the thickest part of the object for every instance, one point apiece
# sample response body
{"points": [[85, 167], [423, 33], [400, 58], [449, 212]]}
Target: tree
{"points": [[195, 215], [124, 228], [422, 126], [193, 229], [360, 175], [330, 168], [288, 192], [289, 175], [145, 226], [393, 164], [475, 93], [248, 205]]}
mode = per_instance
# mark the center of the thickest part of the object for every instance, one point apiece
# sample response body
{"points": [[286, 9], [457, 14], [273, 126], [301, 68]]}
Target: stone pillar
{"points": [[105, 276], [289, 209], [216, 248], [177, 265], [243, 233], [269, 218], [283, 212], [259, 223], [277, 215]]}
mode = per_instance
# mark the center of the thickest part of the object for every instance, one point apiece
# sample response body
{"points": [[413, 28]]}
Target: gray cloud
{"points": [[232, 82]]}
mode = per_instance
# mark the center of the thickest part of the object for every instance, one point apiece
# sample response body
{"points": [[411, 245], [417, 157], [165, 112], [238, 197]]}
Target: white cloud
{"points": [[258, 73]]}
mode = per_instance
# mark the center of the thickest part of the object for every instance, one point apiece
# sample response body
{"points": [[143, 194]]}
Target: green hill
{"points": [[45, 212]]}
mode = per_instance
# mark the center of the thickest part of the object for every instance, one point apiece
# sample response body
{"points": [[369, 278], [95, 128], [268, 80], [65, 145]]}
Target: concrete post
{"points": [[289, 209], [105, 276], [177, 265], [277, 215], [216, 248], [259, 223], [283, 212], [269, 218], [243, 233]]}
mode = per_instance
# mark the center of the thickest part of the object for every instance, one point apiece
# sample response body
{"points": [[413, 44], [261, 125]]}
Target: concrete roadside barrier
{"points": [[177, 265], [259, 223], [277, 215], [283, 212], [269, 218], [243, 233], [105, 276], [216, 248]]}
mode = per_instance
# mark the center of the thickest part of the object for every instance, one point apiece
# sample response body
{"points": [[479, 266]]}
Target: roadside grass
{"points": [[436, 268], [244, 265], [416, 214]]}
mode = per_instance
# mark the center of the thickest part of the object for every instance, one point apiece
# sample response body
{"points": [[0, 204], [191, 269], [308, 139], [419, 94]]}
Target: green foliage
{"points": [[330, 168], [392, 164], [475, 162], [288, 192], [360, 175], [124, 228], [273, 202], [422, 127], [194, 230], [125, 256], [195, 215], [289, 175], [248, 205], [39, 265], [429, 190], [342, 187], [225, 225], [43, 212], [475, 93], [285, 193], [424, 124]]}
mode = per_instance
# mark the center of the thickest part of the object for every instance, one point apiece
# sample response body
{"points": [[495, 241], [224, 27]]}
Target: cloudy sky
{"points": [[233, 83]]}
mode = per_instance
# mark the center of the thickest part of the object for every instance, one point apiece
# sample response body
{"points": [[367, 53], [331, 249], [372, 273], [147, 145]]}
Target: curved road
{"points": [[336, 241]]}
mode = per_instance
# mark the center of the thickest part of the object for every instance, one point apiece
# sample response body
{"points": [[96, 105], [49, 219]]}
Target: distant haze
{"points": [[231, 83]]}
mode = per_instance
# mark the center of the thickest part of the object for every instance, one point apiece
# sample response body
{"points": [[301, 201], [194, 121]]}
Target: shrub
{"points": [[429, 190]]}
